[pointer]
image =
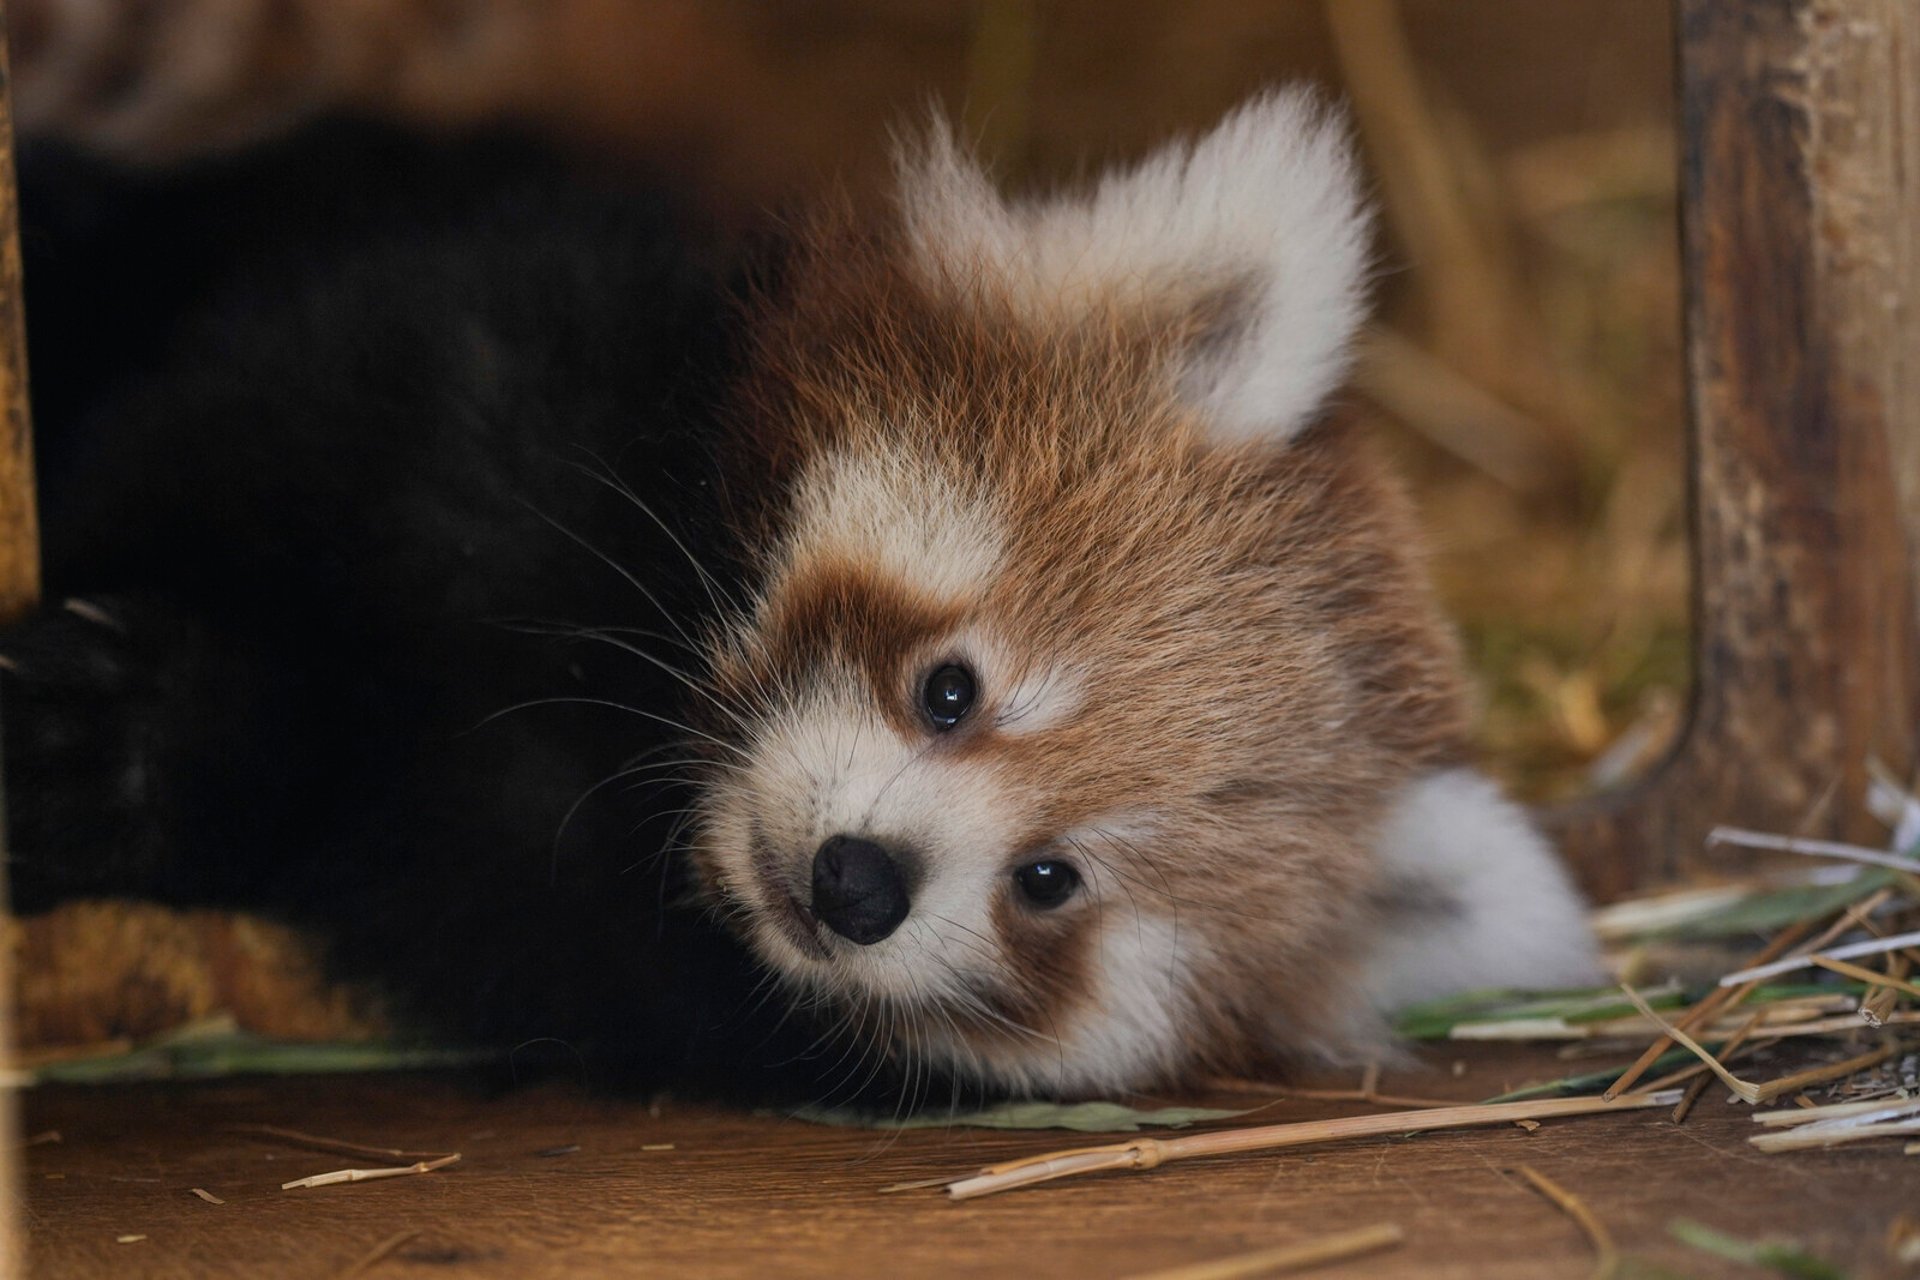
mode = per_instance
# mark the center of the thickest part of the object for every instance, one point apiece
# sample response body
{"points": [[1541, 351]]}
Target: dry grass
{"points": [[1532, 364], [1606, 1255], [1285, 1259], [1150, 1153]]}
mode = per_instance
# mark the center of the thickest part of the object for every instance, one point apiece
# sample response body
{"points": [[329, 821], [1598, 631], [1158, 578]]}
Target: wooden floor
{"points": [[762, 1195]]}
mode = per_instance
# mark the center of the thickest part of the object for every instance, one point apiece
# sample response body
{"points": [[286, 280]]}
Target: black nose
{"points": [[858, 890]]}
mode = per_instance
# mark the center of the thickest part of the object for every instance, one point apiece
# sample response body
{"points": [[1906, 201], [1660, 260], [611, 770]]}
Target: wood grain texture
{"points": [[19, 526], [744, 1195], [19, 574], [1800, 198]]}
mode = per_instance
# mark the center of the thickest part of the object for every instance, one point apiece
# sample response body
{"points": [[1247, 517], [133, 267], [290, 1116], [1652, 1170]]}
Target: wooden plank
{"points": [[1800, 198], [19, 526], [755, 1195], [19, 576]]}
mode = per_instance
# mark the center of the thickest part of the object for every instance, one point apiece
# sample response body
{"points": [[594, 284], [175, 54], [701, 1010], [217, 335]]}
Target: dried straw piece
{"points": [[1832, 1026], [1707, 1008], [1820, 1075], [918, 1184], [1372, 1097], [1877, 1005], [1721, 1000], [1834, 1125], [1750, 1092], [1606, 1256], [1148, 1153], [1758, 1093], [1368, 1092], [1696, 1069], [1868, 976], [1852, 951], [1289, 1257], [423, 1161], [377, 1254], [1815, 1135], [1699, 1085], [1858, 1112], [207, 1195], [335, 1145], [1684, 1108], [369, 1175], [1746, 839]]}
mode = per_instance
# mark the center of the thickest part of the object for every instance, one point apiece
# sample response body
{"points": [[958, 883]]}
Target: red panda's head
{"points": [[1087, 661]]}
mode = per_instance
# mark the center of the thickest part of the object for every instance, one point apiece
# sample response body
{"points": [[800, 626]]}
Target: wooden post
{"points": [[1800, 208], [19, 590], [19, 527]]}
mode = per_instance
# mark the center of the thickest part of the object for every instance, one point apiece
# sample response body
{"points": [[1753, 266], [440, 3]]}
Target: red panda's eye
{"points": [[1047, 884], [947, 695]]}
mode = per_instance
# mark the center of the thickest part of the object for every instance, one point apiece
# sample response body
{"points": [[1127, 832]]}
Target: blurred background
{"points": [[1526, 362], [1525, 365]]}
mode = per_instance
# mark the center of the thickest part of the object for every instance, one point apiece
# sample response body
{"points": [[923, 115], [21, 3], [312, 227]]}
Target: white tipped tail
{"points": [[1472, 897]]}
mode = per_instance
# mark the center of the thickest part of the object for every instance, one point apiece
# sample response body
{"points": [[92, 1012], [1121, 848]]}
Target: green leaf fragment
{"points": [[197, 1052], [1784, 1257], [1594, 1081], [1777, 908], [1081, 1117]]}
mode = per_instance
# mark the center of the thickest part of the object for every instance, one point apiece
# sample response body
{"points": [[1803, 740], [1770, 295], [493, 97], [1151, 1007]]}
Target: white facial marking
{"points": [[1027, 696], [832, 766], [1046, 699], [1130, 1029], [1127, 1027], [1126, 1030], [896, 514]]}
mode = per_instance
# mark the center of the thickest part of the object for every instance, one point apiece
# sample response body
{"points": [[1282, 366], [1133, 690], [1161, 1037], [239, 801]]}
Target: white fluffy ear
{"points": [[1261, 221]]}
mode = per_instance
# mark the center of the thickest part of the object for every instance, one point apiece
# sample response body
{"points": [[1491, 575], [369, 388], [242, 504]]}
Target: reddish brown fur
{"points": [[1264, 660]]}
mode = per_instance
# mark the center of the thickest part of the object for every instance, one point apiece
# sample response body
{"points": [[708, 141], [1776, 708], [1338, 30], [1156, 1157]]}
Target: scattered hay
{"points": [[379, 1253], [369, 1175], [1816, 926], [1606, 1255], [1151, 1153], [423, 1161], [1286, 1258]]}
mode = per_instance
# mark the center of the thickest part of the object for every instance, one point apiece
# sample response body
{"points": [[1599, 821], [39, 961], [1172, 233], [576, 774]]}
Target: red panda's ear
{"points": [[1264, 212]]}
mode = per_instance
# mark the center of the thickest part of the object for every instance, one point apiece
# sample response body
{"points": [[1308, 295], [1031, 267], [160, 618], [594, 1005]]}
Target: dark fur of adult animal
{"points": [[345, 445]]}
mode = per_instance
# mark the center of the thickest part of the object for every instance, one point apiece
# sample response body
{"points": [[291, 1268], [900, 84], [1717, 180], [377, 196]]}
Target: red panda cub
{"points": [[1093, 726], [980, 655]]}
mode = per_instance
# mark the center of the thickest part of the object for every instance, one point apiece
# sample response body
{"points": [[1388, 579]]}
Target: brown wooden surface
{"points": [[19, 557], [1800, 199], [746, 1195], [19, 529]]}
